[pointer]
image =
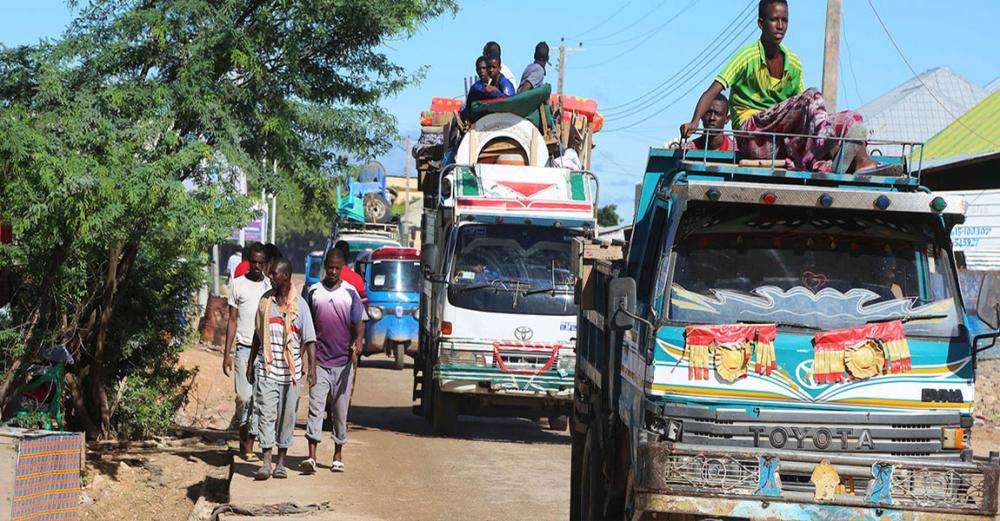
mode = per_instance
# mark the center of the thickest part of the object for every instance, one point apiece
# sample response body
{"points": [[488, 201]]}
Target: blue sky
{"points": [[632, 47]]}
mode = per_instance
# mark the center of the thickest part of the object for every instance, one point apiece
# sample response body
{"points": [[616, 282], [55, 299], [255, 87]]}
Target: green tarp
{"points": [[525, 104]]}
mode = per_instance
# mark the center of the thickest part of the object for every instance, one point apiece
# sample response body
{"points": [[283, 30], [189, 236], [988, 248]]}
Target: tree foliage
{"points": [[607, 215], [119, 142]]}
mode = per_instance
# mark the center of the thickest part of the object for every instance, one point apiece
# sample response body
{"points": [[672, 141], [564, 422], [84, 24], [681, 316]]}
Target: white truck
{"points": [[498, 328]]}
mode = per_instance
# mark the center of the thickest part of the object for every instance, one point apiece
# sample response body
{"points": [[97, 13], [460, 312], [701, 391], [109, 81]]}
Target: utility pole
{"points": [[406, 160], [831, 54], [562, 65]]}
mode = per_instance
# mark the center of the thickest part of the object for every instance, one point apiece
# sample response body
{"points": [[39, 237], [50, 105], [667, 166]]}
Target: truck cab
{"points": [[774, 344]]}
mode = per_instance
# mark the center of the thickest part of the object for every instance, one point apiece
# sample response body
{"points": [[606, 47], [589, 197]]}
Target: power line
{"points": [[921, 80], [685, 93], [722, 50], [628, 27], [652, 92], [655, 31], [598, 24], [850, 62]]}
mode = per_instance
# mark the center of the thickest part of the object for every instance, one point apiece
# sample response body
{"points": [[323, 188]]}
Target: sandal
{"points": [[280, 472], [308, 466], [883, 170], [263, 473], [337, 466], [249, 457]]}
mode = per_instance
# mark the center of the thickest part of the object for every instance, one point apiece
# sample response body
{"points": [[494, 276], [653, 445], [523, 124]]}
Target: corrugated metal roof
{"points": [[910, 113], [958, 143]]}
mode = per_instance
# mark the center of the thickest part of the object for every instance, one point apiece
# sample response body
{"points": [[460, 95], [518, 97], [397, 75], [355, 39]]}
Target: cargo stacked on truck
{"points": [[778, 344], [505, 195]]}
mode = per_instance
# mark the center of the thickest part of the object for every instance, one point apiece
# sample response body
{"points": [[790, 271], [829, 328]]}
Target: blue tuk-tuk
{"points": [[392, 277]]}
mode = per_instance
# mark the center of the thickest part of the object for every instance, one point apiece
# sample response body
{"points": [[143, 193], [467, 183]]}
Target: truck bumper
{"points": [[492, 382], [726, 481]]}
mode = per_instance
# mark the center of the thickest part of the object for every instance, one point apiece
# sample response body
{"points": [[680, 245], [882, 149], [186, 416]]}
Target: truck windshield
{"points": [[395, 275], [822, 270], [513, 269]]}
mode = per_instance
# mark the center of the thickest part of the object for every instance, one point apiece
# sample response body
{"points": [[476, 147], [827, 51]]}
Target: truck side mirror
{"points": [[988, 303], [621, 303]]}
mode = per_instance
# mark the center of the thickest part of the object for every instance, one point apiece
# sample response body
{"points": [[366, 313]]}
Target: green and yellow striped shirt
{"points": [[751, 87]]}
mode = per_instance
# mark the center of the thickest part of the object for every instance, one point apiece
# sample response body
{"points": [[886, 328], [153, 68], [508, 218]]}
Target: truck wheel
{"points": [[591, 480], [445, 411], [400, 354], [575, 472], [427, 390], [377, 209], [558, 422]]}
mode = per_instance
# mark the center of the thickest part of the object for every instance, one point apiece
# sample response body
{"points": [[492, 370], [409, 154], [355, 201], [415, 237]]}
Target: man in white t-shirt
{"points": [[244, 296]]}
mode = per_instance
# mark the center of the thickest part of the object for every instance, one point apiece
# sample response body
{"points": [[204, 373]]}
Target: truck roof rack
{"points": [[731, 166]]}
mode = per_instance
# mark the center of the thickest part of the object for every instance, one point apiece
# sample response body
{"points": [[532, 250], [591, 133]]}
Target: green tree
{"points": [[119, 142], [607, 215]]}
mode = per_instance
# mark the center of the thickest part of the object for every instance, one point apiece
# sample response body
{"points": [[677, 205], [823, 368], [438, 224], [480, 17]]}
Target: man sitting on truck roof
{"points": [[767, 94], [492, 50], [714, 119], [534, 73], [491, 84]]}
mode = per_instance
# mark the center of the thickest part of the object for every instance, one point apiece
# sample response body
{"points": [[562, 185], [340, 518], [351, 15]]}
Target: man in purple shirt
{"points": [[338, 318]]}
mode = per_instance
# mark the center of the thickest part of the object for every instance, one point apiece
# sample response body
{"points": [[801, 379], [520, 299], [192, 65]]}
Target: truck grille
{"points": [[887, 434]]}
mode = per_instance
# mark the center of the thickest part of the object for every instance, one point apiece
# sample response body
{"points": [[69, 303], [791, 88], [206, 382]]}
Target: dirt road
{"points": [[398, 469]]}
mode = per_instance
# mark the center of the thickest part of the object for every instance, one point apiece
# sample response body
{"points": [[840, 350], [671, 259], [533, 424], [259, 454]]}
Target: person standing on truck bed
{"points": [[283, 327], [492, 50], [534, 73], [714, 119], [767, 95], [338, 314]]}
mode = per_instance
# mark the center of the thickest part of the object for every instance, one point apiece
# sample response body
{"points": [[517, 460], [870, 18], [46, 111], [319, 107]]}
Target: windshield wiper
{"points": [[493, 284], [782, 324], [551, 289], [905, 318]]}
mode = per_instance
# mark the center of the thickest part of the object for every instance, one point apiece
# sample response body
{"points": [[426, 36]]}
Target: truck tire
{"points": [[445, 414], [558, 422], [400, 353], [575, 471], [591, 479], [377, 209]]}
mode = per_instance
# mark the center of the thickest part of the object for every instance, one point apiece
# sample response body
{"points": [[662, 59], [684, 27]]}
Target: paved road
{"points": [[398, 469]]}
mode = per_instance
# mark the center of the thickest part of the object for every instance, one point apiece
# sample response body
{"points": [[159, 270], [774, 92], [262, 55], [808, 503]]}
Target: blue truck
{"points": [[775, 344]]}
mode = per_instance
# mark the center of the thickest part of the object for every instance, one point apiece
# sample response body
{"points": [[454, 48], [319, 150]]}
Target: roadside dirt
{"points": [[163, 479]]}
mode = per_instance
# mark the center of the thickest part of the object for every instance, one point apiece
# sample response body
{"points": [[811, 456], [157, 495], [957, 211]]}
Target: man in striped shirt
{"points": [[283, 326]]}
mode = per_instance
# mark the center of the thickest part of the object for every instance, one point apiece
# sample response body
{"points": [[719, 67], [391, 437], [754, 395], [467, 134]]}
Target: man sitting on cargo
{"points": [[534, 73], [491, 84], [714, 119], [767, 94], [492, 50]]}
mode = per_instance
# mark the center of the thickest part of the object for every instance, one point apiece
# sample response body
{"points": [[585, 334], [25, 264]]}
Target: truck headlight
{"points": [[374, 312], [459, 357]]}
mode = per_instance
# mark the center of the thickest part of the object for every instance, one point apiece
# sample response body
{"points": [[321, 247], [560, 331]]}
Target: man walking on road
{"points": [[244, 295], [338, 313], [283, 326]]}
